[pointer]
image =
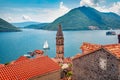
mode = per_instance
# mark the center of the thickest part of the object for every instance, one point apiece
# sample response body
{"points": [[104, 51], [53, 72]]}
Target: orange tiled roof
{"points": [[114, 49], [57, 60], [88, 48], [1, 65], [77, 55], [26, 69], [21, 58], [39, 51], [67, 60]]}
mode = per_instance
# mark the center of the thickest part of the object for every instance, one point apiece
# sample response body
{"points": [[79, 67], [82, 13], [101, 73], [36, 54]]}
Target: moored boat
{"points": [[111, 33]]}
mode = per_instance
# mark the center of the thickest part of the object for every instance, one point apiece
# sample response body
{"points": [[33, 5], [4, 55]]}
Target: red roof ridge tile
{"points": [[107, 45]]}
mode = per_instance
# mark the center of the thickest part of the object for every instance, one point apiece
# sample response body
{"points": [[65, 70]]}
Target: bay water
{"points": [[16, 44]]}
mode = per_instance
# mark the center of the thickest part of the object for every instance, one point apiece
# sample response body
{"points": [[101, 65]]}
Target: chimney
{"points": [[118, 38]]}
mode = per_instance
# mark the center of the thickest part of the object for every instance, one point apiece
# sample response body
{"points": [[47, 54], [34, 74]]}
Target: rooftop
{"points": [[88, 48], [39, 51], [1, 65], [25, 69], [21, 58], [114, 49]]}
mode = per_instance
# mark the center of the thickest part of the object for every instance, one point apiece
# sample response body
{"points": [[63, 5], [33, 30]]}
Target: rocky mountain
{"points": [[7, 27], [86, 18]]}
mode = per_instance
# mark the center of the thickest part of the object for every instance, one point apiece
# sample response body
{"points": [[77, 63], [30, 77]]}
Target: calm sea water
{"points": [[15, 44]]}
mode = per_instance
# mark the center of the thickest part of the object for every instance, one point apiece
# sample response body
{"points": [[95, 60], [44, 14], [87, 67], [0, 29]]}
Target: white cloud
{"points": [[10, 19], [27, 18], [63, 8], [49, 14], [34, 14], [115, 8], [98, 4], [91, 3]]}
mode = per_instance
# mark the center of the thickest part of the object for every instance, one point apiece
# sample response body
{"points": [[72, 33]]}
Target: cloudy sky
{"points": [[49, 10]]}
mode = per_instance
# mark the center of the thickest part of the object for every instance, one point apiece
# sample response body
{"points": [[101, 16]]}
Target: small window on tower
{"points": [[59, 42]]}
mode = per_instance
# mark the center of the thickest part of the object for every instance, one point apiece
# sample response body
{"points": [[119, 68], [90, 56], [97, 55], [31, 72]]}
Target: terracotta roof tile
{"points": [[67, 60], [57, 60], [26, 69], [77, 55], [39, 51], [1, 65], [88, 48], [21, 58], [114, 49]]}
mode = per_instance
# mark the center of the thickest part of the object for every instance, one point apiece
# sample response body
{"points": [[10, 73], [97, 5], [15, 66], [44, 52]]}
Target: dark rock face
{"points": [[99, 65]]}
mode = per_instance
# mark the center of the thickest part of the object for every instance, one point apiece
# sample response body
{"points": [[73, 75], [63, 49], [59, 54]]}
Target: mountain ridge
{"points": [[86, 18], [36, 26], [23, 24], [7, 27]]}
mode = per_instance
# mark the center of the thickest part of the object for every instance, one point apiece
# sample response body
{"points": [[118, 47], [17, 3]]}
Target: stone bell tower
{"points": [[59, 43]]}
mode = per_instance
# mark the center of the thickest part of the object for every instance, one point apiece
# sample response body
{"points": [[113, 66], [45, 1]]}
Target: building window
{"points": [[103, 63]]}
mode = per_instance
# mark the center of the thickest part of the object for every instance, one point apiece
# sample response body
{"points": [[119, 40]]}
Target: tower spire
{"points": [[59, 43], [59, 32]]}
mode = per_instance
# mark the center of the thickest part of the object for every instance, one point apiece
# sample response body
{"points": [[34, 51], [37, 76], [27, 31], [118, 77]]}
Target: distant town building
{"points": [[97, 62], [41, 68], [59, 44], [38, 53]]}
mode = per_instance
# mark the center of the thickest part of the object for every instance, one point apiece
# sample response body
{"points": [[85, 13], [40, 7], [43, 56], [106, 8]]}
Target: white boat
{"points": [[46, 46]]}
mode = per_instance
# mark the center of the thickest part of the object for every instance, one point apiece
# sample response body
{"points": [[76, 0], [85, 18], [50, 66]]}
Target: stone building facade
{"points": [[100, 64]]}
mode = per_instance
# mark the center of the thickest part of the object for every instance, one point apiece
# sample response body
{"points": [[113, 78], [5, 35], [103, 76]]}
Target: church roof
{"points": [[26, 69], [59, 32]]}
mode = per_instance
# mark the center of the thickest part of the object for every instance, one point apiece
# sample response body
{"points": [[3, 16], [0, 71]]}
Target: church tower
{"points": [[59, 43]]}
